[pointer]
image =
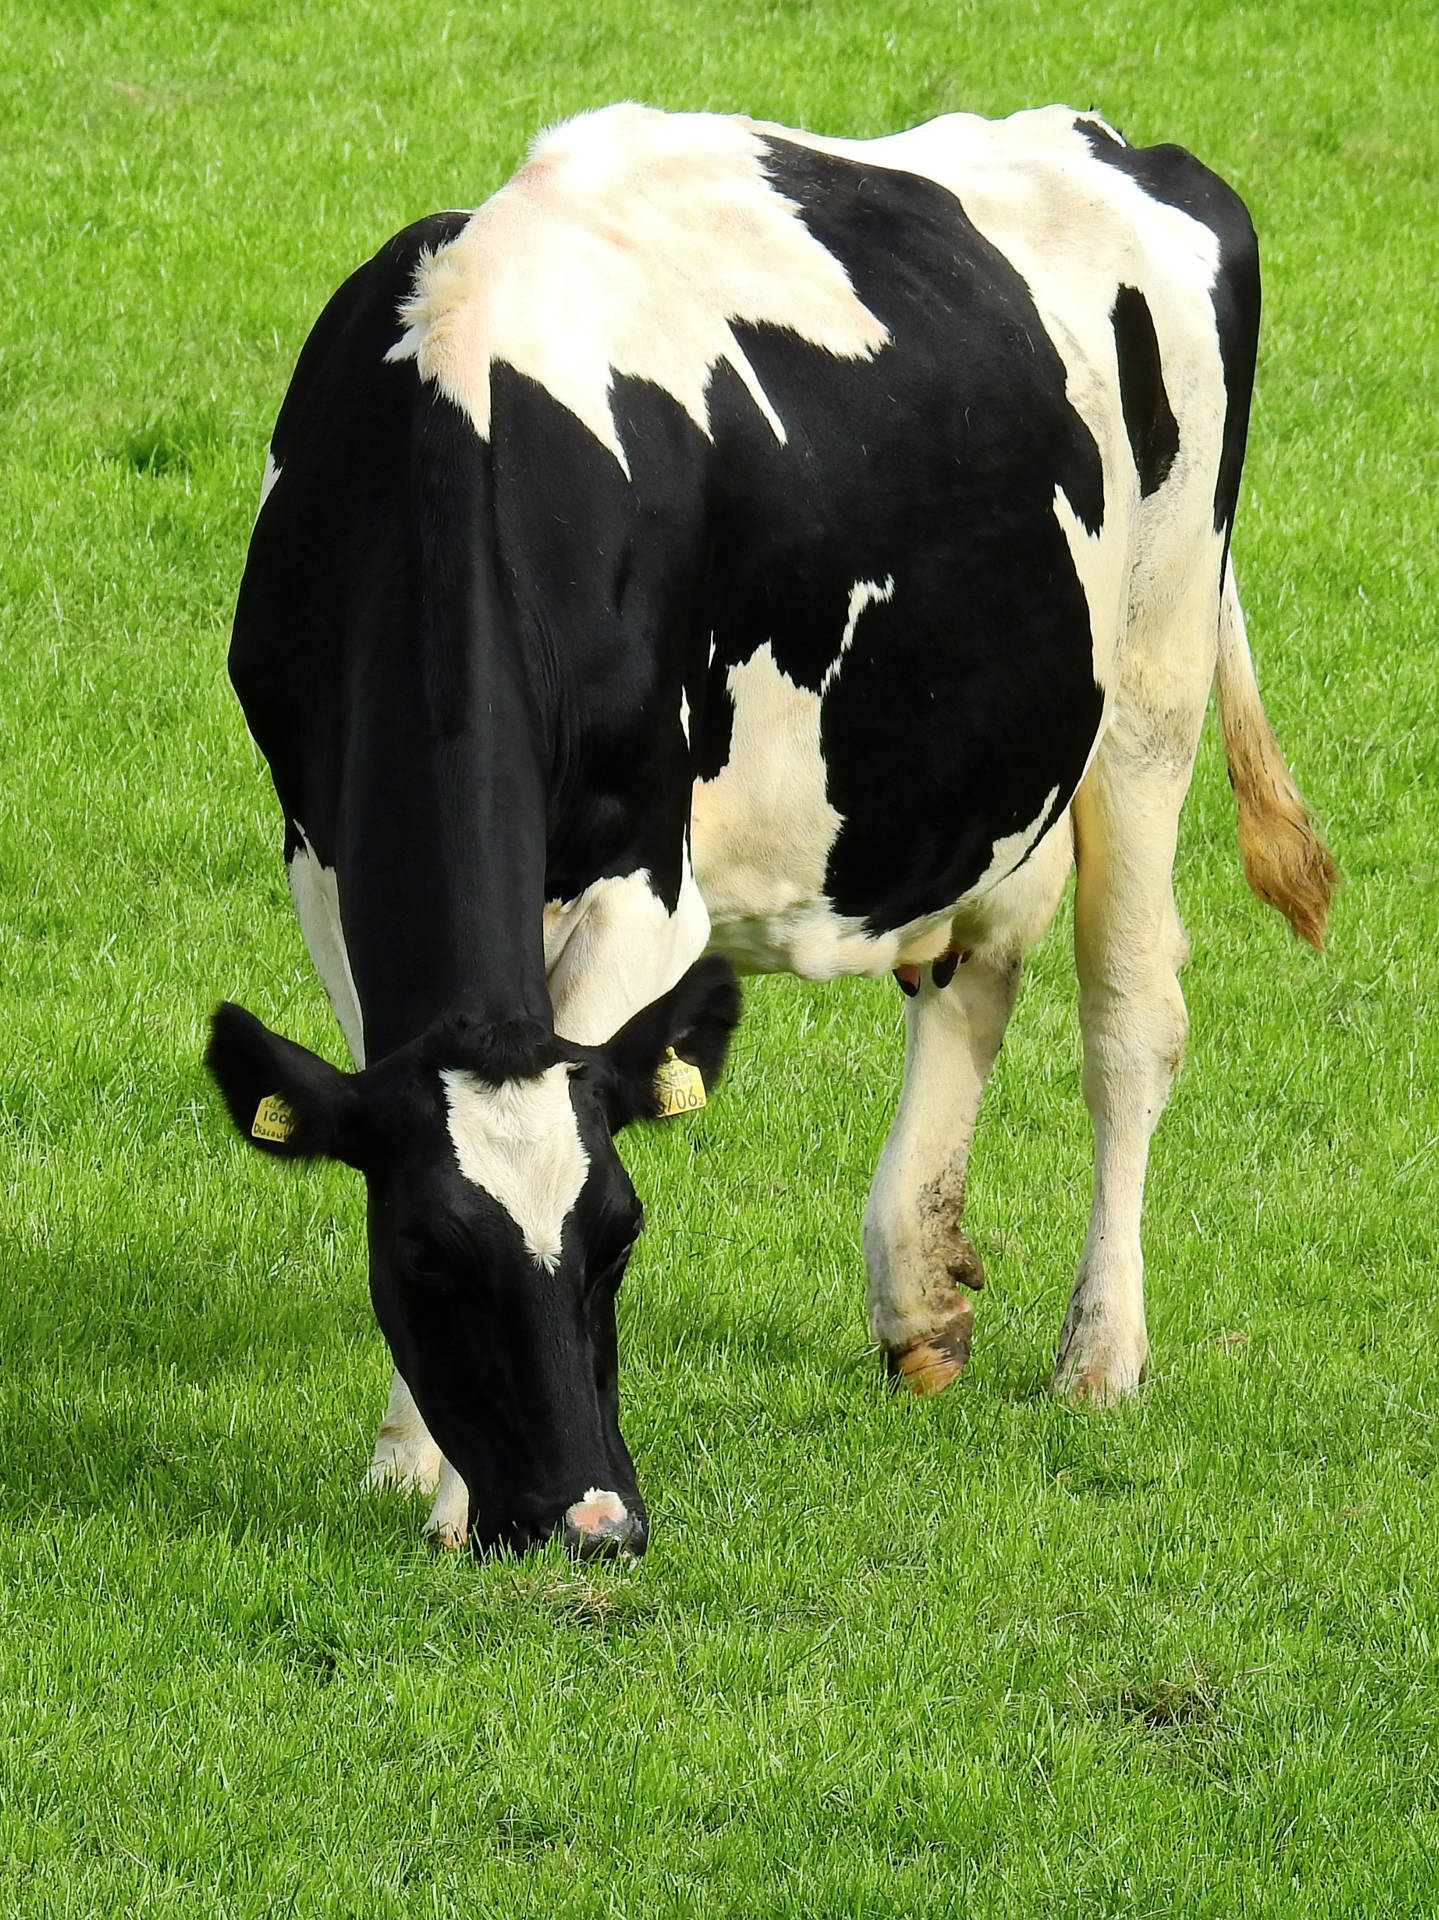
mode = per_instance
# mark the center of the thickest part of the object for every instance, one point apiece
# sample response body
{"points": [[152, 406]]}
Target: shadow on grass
{"points": [[136, 1445], [181, 441], [656, 1334], [156, 1402]]}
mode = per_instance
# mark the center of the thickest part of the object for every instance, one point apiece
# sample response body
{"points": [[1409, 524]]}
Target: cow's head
{"points": [[500, 1221]]}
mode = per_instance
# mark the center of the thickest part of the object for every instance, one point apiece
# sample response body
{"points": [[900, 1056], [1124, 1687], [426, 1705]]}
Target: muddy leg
{"points": [[921, 1266]]}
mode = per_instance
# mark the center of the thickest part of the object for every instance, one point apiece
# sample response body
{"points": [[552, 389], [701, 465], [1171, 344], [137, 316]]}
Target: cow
{"points": [[732, 545]]}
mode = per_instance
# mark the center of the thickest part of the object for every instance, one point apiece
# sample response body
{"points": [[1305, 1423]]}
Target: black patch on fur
{"points": [[495, 1051], [375, 657], [602, 573], [1148, 418], [968, 695], [1171, 175], [328, 530]]}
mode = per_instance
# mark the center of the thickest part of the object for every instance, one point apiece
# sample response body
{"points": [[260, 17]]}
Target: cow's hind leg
{"points": [[920, 1263], [1129, 946]]}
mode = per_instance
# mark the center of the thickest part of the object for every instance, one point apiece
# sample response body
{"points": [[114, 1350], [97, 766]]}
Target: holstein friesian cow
{"points": [[731, 538]]}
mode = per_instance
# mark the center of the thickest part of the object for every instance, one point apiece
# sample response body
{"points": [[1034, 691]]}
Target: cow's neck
{"points": [[442, 872]]}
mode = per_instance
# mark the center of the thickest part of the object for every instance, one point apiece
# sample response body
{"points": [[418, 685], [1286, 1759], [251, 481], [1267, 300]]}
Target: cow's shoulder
{"points": [[334, 537], [630, 245], [344, 354]]}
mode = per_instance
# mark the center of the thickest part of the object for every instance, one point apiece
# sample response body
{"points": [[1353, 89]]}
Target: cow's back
{"points": [[823, 472]]}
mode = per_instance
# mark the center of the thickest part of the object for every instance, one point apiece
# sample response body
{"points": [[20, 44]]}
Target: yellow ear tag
{"points": [[679, 1086], [273, 1120]]}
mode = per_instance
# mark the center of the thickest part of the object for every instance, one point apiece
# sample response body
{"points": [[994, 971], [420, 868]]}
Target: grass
{"points": [[976, 1656]]}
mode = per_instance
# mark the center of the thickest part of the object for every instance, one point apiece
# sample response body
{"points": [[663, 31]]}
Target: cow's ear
{"points": [[695, 1019], [283, 1098]]}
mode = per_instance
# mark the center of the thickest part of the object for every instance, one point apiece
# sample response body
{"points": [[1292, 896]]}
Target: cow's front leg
{"points": [[919, 1261], [405, 1456], [449, 1521]]}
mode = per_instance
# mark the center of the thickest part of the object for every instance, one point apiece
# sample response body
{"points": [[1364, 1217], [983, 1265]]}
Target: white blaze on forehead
{"points": [[629, 244], [521, 1142]]}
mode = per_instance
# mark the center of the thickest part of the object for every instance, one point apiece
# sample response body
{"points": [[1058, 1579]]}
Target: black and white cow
{"points": [[731, 538]]}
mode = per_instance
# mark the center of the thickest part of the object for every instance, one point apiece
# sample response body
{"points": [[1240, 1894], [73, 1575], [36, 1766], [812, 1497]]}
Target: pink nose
{"points": [[599, 1523]]}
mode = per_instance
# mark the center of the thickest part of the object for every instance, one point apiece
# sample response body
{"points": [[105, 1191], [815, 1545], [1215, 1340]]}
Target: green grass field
{"points": [[981, 1655]]}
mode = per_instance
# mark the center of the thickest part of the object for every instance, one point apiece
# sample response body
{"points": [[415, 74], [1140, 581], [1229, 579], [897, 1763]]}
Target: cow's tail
{"points": [[1285, 861]]}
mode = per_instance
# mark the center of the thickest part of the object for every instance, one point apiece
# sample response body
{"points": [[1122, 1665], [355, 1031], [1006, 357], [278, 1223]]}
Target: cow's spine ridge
{"points": [[1285, 861]]}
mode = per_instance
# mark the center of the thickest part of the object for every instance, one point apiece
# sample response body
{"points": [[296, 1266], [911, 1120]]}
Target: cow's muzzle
{"points": [[600, 1525]]}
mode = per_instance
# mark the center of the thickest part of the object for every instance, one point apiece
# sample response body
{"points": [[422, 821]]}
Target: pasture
{"points": [[980, 1655]]}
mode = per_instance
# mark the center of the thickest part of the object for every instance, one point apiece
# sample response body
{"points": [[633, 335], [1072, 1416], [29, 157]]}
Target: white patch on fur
{"points": [[448, 1524], [267, 481], [405, 1456], [629, 244], [763, 828], [864, 593], [1102, 567], [615, 948], [521, 1143], [1005, 913], [315, 891]]}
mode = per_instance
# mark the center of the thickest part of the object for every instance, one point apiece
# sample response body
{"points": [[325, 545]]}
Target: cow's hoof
{"points": [[1096, 1379], [929, 1364], [448, 1537]]}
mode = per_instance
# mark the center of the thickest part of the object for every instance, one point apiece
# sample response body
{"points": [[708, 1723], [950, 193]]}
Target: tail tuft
{"points": [[1285, 861]]}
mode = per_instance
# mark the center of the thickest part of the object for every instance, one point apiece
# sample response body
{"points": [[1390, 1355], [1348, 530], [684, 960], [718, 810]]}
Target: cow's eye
{"points": [[424, 1260]]}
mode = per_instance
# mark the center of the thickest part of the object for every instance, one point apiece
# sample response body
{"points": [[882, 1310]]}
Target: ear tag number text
{"points": [[679, 1086], [273, 1120]]}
